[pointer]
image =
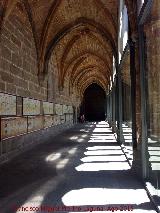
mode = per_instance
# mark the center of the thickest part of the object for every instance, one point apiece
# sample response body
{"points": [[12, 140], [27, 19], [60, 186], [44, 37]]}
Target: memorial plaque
{"points": [[67, 118], [59, 109], [48, 121], [65, 109], [13, 126], [48, 108], [71, 117], [7, 104], [70, 109], [35, 123], [31, 106]]}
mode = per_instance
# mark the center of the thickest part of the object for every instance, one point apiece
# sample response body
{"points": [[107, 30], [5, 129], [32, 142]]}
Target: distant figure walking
{"points": [[82, 118]]}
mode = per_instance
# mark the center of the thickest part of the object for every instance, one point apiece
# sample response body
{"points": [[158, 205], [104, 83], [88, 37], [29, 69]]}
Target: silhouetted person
{"points": [[82, 118]]}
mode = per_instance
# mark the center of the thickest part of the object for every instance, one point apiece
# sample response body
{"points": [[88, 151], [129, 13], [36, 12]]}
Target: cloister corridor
{"points": [[79, 106]]}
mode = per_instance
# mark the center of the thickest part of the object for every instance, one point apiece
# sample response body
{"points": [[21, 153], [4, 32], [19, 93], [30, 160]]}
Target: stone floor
{"points": [[81, 170]]}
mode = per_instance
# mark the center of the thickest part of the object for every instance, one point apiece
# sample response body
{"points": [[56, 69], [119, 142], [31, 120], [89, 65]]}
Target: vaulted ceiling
{"points": [[82, 34]]}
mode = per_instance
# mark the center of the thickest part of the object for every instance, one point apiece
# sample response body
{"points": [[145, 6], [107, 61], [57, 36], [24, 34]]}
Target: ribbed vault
{"points": [[84, 43], [81, 35]]}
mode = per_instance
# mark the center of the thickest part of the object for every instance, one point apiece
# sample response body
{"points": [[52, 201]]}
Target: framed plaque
{"points": [[48, 108], [35, 123], [7, 104], [11, 127], [59, 109], [65, 109], [31, 106]]}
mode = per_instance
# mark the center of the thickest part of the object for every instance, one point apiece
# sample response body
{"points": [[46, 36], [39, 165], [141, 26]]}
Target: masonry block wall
{"points": [[18, 58], [61, 95], [29, 111], [126, 88], [152, 33]]}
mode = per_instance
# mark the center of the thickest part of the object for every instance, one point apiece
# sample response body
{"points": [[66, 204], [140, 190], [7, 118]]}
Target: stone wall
{"points": [[126, 88], [30, 111], [152, 33], [38, 119], [18, 58], [61, 95]]}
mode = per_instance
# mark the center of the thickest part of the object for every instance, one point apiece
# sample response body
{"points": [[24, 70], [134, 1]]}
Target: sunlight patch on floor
{"points": [[104, 196], [101, 141], [107, 166], [101, 130], [61, 164], [53, 157], [103, 152], [117, 148], [103, 158], [72, 151]]}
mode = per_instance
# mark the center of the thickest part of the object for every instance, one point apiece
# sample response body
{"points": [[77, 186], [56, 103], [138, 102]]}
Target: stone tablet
{"points": [[59, 109], [65, 109], [70, 109], [35, 123], [48, 108], [7, 104], [14, 126], [31, 106]]}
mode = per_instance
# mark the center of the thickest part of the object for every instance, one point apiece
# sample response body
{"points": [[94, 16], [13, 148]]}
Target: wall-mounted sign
{"points": [[31, 106], [35, 123], [13, 126], [7, 104], [59, 109], [48, 108], [65, 109], [70, 109]]}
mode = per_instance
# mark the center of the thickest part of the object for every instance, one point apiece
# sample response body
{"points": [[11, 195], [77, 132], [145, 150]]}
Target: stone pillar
{"points": [[138, 95]]}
